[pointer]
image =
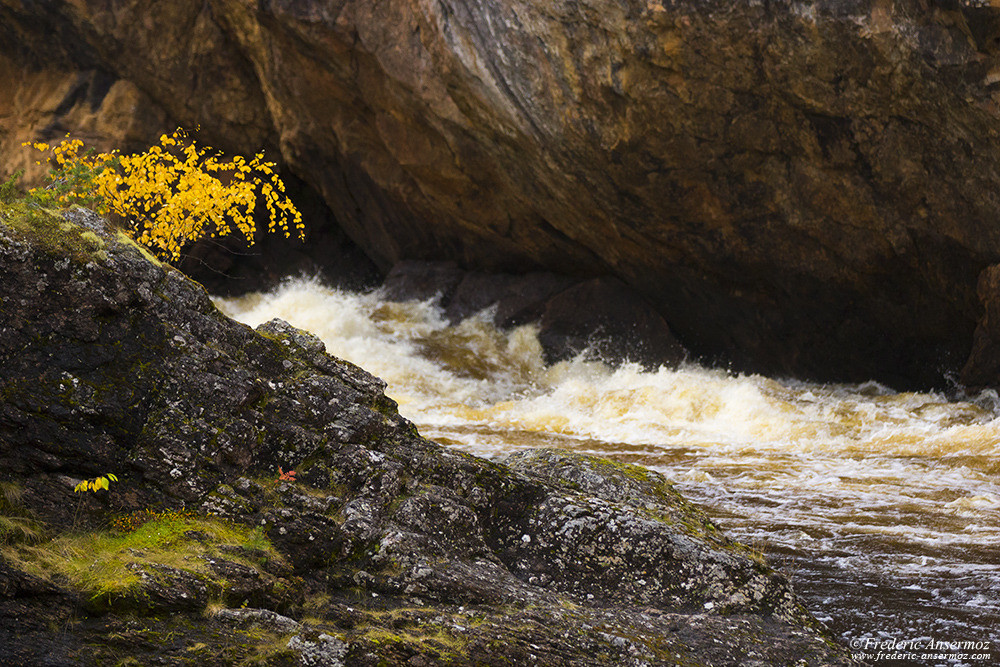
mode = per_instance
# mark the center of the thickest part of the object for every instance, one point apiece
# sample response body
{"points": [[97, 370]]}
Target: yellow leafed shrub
{"points": [[172, 194], [96, 484]]}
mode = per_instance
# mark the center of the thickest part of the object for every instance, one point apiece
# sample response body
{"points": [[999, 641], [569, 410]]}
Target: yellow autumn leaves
{"points": [[172, 194], [96, 484]]}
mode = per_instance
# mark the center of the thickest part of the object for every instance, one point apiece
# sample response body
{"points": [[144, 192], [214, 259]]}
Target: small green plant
{"points": [[106, 566], [171, 194], [96, 484]]}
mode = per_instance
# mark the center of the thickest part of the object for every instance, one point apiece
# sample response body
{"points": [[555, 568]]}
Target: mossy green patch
{"points": [[445, 646], [267, 648], [52, 232], [92, 238], [105, 566], [184, 640], [125, 238]]}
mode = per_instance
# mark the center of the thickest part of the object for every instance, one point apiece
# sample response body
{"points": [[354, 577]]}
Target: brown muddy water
{"points": [[883, 508]]}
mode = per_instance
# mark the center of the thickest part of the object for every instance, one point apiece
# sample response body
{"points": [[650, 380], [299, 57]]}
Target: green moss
{"points": [[105, 567], [128, 240], [183, 640], [408, 630], [651, 482], [424, 639], [266, 648], [52, 232], [92, 238]]}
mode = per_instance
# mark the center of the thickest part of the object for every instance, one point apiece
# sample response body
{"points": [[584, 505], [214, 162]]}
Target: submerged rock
{"points": [[381, 548]]}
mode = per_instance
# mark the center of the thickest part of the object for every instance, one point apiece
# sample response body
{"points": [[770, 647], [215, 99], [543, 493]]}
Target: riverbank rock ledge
{"points": [[385, 548], [799, 189]]}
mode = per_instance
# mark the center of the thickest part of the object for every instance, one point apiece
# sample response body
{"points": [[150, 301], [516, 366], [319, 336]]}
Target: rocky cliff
{"points": [[380, 547], [802, 188]]}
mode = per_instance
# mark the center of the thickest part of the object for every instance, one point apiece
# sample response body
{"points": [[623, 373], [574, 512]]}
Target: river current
{"points": [[883, 508]]}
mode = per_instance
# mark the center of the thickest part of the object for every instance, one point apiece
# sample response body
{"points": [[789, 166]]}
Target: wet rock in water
{"points": [[419, 281], [650, 548], [384, 549], [601, 317], [610, 320], [518, 299]]}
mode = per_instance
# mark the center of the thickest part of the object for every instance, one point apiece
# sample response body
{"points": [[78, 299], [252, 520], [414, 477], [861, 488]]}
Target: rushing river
{"points": [[882, 507]]}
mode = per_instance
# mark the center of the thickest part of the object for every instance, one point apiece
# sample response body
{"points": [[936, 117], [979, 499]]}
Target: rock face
{"points": [[798, 188], [385, 548]]}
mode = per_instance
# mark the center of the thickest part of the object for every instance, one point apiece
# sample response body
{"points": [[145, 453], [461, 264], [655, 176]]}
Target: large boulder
{"points": [[799, 189], [381, 547]]}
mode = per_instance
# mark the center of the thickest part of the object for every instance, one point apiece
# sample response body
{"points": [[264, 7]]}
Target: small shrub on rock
{"points": [[170, 195]]}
